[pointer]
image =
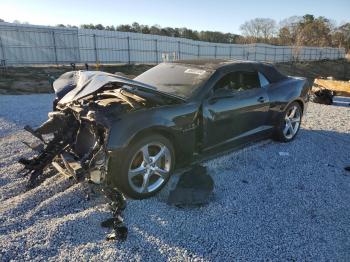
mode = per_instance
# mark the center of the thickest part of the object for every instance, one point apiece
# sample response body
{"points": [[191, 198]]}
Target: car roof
{"points": [[268, 69], [213, 64]]}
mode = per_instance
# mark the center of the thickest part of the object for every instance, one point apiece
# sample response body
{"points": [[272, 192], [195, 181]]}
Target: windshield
{"points": [[175, 79]]}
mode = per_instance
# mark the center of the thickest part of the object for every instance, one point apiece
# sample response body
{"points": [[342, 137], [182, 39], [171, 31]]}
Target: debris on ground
{"points": [[324, 90], [117, 205], [194, 188], [341, 88], [322, 96]]}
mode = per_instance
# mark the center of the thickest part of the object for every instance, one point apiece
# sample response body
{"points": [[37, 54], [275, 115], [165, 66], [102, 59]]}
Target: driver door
{"points": [[237, 107]]}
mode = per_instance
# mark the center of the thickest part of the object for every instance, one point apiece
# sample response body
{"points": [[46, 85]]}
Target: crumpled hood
{"points": [[74, 85]]}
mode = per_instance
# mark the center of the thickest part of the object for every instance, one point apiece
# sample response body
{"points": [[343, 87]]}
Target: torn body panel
{"points": [[80, 143], [75, 85], [75, 146]]}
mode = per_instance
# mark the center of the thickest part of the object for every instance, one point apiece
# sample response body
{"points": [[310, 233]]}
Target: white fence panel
{"points": [[28, 44]]}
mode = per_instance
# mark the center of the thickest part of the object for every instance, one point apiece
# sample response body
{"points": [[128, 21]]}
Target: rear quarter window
{"points": [[263, 81]]}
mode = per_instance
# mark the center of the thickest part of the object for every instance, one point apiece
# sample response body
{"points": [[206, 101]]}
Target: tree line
{"points": [[306, 30], [208, 36]]}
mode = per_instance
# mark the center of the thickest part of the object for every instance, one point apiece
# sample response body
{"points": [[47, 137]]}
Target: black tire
{"points": [[128, 155], [282, 123]]}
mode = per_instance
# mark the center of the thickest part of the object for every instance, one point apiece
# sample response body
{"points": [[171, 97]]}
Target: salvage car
{"points": [[134, 134]]}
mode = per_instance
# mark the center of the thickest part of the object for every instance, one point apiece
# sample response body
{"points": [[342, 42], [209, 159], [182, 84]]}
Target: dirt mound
{"points": [[26, 80], [338, 69]]}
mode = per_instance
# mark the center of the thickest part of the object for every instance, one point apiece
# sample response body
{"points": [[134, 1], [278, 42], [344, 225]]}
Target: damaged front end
{"points": [[75, 147], [73, 139]]}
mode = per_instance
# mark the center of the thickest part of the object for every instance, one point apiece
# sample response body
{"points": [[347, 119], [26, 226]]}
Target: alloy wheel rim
{"points": [[149, 168], [292, 122]]}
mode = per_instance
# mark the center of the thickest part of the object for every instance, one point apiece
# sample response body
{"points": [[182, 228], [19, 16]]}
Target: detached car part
{"points": [[193, 188], [322, 96], [131, 135]]}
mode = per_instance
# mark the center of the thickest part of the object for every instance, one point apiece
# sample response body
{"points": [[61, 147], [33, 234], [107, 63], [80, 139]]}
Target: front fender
{"points": [[178, 121], [123, 130]]}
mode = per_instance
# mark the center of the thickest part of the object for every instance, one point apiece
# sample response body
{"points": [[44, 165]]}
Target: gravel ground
{"points": [[271, 201]]}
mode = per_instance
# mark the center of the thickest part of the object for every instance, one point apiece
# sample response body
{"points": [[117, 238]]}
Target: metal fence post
{"points": [[77, 47], [54, 47], [95, 48], [179, 49], [283, 54], [215, 51], [274, 58], [230, 55], [128, 38], [156, 49], [255, 52], [198, 53], [310, 54], [2, 49]]}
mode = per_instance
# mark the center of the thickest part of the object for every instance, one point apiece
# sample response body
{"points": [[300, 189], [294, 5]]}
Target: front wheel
{"points": [[289, 123], [146, 167]]}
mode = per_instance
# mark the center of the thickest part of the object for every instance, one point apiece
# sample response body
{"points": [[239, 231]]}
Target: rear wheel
{"points": [[289, 123], [146, 167]]}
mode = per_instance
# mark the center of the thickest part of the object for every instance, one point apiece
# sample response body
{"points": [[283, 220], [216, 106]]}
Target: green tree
{"points": [[87, 26], [110, 28]]}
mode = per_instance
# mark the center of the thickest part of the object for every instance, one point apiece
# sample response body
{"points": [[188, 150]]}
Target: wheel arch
{"points": [[301, 104], [118, 163], [296, 100]]}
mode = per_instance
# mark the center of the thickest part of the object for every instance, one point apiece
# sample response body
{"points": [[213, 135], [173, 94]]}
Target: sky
{"points": [[215, 15]]}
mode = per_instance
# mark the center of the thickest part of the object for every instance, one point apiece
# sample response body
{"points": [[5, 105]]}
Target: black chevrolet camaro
{"points": [[133, 134]]}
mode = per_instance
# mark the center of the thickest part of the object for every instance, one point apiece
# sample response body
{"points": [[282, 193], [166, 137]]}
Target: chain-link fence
{"points": [[28, 44]]}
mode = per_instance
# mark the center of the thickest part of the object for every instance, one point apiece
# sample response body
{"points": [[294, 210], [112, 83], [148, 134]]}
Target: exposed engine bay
{"points": [[74, 137]]}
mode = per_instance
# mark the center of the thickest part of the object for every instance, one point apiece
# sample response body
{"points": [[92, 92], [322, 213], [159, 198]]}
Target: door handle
{"points": [[261, 99]]}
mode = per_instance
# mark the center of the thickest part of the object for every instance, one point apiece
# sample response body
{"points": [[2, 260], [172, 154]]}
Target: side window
{"points": [[228, 82], [263, 81], [249, 80], [238, 81]]}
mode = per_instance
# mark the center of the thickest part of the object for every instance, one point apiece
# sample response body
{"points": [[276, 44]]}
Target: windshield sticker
{"points": [[194, 71]]}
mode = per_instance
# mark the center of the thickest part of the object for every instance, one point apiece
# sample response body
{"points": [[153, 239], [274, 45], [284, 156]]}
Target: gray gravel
{"points": [[271, 201]]}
